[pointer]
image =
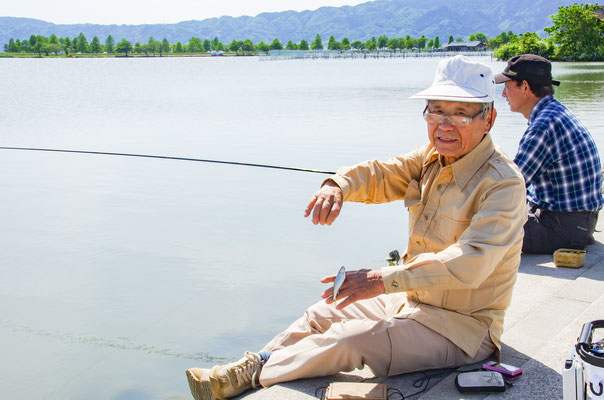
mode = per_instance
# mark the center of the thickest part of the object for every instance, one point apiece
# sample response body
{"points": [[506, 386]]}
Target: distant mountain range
{"points": [[394, 18]]}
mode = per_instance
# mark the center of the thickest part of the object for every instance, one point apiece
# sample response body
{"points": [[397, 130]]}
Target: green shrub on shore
{"points": [[526, 43], [577, 34]]}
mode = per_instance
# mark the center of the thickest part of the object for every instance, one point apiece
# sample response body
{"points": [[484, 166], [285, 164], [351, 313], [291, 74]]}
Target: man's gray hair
{"points": [[486, 108]]}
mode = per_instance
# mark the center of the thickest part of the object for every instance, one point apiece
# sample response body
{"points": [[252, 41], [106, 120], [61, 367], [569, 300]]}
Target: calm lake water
{"points": [[117, 273]]}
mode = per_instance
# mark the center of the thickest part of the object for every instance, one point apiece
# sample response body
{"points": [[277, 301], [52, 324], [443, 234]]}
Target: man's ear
{"points": [[491, 120]]}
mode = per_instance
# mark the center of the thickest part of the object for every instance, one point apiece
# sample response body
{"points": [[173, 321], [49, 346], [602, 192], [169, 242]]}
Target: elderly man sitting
{"points": [[444, 307]]}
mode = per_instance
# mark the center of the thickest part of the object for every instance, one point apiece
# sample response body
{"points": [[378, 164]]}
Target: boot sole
{"points": [[201, 389]]}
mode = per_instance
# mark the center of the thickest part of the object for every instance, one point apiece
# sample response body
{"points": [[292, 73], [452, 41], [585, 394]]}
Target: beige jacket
{"points": [[465, 236]]}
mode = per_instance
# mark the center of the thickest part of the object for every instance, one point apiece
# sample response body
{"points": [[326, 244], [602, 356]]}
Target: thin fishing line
{"points": [[105, 153]]}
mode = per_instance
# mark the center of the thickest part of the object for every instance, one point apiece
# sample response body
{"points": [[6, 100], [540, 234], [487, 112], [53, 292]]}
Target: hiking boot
{"points": [[225, 381]]}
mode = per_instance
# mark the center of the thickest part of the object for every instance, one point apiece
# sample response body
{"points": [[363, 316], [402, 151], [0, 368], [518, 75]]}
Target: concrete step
{"points": [[541, 378], [545, 327]]}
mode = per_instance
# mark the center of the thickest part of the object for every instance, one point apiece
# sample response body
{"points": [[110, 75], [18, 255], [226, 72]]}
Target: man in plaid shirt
{"points": [[558, 159]]}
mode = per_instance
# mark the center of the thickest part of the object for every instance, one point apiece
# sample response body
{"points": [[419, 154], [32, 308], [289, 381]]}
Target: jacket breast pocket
{"points": [[449, 230]]}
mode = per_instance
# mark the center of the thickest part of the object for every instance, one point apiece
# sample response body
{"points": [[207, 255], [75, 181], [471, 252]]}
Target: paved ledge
{"points": [[548, 309]]}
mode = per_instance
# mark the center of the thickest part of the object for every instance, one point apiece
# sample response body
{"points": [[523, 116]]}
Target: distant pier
{"points": [[356, 54]]}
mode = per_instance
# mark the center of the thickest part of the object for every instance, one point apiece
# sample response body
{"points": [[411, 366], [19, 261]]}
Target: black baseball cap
{"points": [[536, 70]]}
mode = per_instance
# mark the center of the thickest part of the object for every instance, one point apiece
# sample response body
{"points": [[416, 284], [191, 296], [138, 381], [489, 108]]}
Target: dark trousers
{"points": [[547, 231]]}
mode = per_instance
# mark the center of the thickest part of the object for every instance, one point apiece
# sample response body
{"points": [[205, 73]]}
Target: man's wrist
{"points": [[339, 182]]}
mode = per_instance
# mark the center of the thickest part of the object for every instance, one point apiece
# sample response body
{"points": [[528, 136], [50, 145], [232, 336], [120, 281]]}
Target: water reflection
{"points": [[118, 274], [580, 81]]}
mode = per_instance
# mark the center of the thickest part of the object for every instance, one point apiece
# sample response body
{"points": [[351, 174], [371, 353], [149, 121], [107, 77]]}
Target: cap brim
{"points": [[501, 78], [453, 93]]}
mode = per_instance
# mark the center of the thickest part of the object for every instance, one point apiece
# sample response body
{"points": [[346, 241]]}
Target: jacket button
{"points": [[395, 284]]}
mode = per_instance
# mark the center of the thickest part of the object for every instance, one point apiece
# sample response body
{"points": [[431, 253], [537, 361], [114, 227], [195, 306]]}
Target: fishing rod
{"points": [[105, 153]]}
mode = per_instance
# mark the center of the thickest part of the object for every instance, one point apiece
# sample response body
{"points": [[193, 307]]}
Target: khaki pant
{"points": [[326, 341]]}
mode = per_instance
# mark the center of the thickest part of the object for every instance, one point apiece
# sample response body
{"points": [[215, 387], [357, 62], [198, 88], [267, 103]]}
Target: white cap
{"points": [[461, 79]]}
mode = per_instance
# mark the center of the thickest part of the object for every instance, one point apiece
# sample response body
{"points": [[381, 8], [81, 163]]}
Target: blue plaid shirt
{"points": [[559, 160]]}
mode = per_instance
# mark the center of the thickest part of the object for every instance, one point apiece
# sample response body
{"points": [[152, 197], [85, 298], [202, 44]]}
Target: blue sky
{"points": [[152, 11]]}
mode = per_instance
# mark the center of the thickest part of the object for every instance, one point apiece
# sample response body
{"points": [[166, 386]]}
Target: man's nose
{"points": [[504, 93], [446, 125]]}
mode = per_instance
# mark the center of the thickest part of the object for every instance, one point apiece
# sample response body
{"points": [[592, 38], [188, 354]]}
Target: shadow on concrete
{"points": [[543, 264], [538, 381]]}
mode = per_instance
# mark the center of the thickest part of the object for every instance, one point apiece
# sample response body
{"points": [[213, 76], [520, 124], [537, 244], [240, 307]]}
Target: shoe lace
{"points": [[248, 370]]}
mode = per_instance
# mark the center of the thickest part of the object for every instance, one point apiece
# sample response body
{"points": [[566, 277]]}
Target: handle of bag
{"points": [[584, 343], [588, 328], [585, 337]]}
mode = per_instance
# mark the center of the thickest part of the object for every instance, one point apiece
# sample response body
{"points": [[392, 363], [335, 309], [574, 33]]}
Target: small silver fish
{"points": [[337, 284]]}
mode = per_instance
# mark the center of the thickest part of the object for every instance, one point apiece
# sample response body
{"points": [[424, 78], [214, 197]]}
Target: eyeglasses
{"points": [[456, 120]]}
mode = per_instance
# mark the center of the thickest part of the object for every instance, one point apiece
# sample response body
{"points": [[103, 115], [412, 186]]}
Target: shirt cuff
{"points": [[393, 279], [341, 182]]}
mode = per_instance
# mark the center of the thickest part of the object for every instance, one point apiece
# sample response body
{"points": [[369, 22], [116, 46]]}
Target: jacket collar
{"points": [[464, 168]]}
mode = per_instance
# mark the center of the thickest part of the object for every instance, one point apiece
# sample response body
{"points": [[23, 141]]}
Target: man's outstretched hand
{"points": [[358, 285], [325, 204]]}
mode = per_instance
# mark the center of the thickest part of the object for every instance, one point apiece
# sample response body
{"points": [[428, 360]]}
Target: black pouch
{"points": [[480, 382]]}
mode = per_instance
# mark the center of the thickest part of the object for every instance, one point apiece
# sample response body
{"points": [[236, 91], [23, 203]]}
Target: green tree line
{"points": [[42, 45], [576, 34]]}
